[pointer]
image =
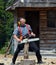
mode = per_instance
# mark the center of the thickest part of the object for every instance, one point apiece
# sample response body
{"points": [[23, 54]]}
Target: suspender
{"points": [[20, 30], [27, 26]]}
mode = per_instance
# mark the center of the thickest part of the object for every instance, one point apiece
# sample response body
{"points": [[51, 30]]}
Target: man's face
{"points": [[22, 20]]}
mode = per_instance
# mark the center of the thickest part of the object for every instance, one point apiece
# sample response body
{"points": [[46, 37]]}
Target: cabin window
{"points": [[51, 19]]}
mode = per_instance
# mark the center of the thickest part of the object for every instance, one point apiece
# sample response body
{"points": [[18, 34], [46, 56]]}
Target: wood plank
{"points": [[46, 38], [48, 44], [51, 41], [43, 28], [48, 32], [43, 19]]}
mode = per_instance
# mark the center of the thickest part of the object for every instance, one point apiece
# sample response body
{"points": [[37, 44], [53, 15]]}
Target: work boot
{"points": [[39, 62]]}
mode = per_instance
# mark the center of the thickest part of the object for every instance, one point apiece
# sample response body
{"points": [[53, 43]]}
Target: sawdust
{"points": [[7, 60]]}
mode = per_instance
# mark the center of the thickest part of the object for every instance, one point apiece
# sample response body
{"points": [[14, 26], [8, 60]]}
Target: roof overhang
{"points": [[31, 4]]}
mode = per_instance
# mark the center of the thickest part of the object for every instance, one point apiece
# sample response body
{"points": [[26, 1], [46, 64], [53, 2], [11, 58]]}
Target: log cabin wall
{"points": [[20, 13], [47, 34], [43, 26]]}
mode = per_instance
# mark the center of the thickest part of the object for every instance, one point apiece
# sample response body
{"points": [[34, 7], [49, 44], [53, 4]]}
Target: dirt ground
{"points": [[46, 61]]}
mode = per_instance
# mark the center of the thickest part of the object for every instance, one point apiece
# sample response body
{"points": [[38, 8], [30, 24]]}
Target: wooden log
{"points": [[26, 47], [27, 62]]}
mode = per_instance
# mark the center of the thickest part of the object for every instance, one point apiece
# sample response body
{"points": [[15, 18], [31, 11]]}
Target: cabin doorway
{"points": [[32, 18]]}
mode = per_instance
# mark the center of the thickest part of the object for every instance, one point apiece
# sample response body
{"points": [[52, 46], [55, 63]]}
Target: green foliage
{"points": [[9, 25], [6, 26], [2, 50], [9, 3]]}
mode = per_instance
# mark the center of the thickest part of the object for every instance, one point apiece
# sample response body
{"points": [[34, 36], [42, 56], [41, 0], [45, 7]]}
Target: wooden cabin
{"points": [[41, 15]]}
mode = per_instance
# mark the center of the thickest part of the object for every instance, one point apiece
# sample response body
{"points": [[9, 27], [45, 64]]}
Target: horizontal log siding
{"points": [[47, 35]]}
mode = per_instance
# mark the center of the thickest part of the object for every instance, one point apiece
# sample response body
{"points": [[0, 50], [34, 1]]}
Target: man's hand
{"points": [[32, 34], [18, 39]]}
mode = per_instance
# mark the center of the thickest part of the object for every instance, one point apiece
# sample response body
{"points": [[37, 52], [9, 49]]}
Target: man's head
{"points": [[22, 21]]}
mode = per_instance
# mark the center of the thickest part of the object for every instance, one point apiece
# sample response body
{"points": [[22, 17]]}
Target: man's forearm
{"points": [[16, 38]]}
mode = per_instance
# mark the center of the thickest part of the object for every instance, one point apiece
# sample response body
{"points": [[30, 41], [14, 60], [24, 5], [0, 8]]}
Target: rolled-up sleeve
{"points": [[16, 32]]}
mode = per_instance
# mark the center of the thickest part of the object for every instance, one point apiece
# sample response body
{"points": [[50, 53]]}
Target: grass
{"points": [[2, 50]]}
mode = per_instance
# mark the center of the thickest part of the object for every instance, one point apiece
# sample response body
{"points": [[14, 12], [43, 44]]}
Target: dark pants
{"points": [[32, 47]]}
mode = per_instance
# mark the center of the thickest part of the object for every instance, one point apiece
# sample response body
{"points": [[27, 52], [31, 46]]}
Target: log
{"points": [[27, 62]]}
